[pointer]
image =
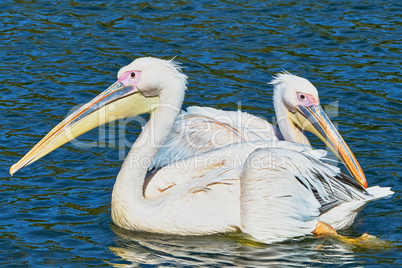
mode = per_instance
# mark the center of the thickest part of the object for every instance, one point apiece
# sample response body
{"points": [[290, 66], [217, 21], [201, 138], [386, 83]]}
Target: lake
{"points": [[59, 54]]}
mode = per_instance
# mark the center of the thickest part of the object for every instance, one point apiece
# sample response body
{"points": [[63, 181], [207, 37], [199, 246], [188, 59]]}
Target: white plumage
{"points": [[201, 129], [248, 180]]}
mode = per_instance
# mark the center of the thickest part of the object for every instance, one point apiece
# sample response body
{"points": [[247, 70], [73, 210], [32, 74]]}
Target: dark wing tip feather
{"points": [[342, 177]]}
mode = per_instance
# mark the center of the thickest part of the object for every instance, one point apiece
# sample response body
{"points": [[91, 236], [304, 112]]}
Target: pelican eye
{"points": [[302, 97], [132, 74]]}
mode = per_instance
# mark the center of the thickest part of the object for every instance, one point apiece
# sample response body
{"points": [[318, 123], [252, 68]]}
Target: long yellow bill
{"points": [[116, 102], [314, 119]]}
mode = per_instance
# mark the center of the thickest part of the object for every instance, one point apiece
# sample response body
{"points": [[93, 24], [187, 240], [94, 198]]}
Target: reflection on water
{"points": [[59, 54], [227, 250]]}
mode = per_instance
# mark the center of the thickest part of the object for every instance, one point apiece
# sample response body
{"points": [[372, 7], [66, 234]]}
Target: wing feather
{"points": [[202, 129], [284, 201]]}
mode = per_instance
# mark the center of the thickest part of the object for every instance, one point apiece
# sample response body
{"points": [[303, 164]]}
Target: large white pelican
{"points": [[271, 190]]}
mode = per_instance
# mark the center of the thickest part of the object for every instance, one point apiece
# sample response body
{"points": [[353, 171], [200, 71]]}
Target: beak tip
{"points": [[361, 178], [362, 181], [13, 169]]}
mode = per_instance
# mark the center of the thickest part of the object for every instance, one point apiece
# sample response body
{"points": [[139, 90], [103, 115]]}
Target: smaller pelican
{"points": [[201, 129], [271, 190]]}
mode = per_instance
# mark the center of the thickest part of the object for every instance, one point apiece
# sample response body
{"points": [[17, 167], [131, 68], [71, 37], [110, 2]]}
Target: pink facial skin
{"points": [[307, 100], [130, 78]]}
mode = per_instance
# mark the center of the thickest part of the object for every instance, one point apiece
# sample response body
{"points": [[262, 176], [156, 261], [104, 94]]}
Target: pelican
{"points": [[270, 190], [202, 129]]}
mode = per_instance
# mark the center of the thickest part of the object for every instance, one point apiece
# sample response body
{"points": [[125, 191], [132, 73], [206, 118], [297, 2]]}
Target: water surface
{"points": [[58, 54]]}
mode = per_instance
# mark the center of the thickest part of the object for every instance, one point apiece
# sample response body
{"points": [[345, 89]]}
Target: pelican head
{"points": [[138, 90], [298, 108]]}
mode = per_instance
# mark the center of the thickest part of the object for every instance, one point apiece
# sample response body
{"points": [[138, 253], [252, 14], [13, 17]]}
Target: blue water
{"points": [[58, 54]]}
